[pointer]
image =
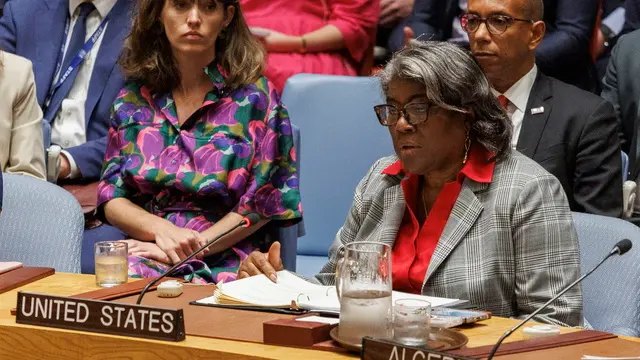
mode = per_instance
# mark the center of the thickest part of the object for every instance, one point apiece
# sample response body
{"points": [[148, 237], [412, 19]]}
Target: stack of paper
{"points": [[292, 291]]}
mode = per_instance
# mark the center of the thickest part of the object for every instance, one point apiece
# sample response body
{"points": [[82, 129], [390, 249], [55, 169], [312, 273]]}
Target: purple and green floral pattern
{"points": [[234, 154]]}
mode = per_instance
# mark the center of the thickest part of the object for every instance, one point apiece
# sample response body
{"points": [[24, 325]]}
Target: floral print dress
{"points": [[234, 154]]}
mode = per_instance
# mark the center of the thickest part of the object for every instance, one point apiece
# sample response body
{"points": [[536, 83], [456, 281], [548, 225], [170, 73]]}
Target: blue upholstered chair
{"points": [[342, 139], [41, 224], [289, 236], [612, 293]]}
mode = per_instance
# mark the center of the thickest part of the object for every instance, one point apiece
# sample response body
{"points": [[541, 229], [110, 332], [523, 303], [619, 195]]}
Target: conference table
{"points": [[19, 341]]}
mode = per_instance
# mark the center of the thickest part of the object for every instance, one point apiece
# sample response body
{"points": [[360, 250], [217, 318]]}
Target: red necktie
{"points": [[504, 102]]}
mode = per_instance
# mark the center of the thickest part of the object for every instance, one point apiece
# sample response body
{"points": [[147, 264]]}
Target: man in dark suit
{"points": [[76, 100], [570, 132], [564, 53], [622, 88]]}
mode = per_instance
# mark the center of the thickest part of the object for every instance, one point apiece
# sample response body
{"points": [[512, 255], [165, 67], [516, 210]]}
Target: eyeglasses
{"points": [[414, 113], [496, 24]]}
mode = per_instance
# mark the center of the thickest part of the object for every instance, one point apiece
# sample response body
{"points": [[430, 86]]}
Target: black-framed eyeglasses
{"points": [[496, 24], [414, 113]]}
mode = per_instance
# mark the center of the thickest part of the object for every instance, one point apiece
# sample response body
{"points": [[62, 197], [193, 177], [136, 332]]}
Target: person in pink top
{"points": [[314, 36]]}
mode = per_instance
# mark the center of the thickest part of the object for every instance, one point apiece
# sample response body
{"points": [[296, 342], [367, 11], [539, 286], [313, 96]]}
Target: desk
{"points": [[30, 342]]}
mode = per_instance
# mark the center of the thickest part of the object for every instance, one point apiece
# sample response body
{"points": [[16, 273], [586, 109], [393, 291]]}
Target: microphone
{"points": [[246, 222], [620, 249]]}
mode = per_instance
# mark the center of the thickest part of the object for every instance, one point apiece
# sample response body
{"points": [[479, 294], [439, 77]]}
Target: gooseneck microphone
{"points": [[246, 222], [620, 249]]}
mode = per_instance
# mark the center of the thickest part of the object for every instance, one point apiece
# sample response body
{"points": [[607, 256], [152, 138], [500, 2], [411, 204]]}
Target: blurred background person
{"points": [[198, 140], [572, 133], [334, 37], [74, 46], [621, 87], [21, 147], [564, 53]]}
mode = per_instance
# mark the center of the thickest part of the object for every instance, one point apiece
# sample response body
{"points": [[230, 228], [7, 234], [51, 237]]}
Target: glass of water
{"points": [[412, 321], [363, 284], [111, 263]]}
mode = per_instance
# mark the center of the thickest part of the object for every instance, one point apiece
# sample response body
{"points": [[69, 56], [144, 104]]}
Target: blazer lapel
{"points": [[536, 116], [52, 19], [463, 215], [108, 55], [393, 212]]}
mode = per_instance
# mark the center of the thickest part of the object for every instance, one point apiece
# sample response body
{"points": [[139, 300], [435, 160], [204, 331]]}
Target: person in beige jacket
{"points": [[21, 143]]}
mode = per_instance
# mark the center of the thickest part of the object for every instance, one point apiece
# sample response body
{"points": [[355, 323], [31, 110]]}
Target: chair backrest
{"points": [[41, 224], [625, 166], [611, 294], [342, 139], [289, 236]]}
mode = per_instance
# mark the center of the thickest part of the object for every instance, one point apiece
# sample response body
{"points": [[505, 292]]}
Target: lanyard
{"points": [[77, 59]]}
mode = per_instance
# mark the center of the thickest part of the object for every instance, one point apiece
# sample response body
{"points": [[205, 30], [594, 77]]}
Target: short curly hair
{"points": [[454, 81]]}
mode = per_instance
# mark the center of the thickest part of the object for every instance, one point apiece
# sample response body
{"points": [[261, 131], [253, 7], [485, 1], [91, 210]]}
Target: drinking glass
{"points": [[363, 284], [411, 321], [111, 263]]}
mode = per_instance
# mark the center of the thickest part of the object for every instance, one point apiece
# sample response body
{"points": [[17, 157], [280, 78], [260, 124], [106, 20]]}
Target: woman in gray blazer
{"points": [[466, 216]]}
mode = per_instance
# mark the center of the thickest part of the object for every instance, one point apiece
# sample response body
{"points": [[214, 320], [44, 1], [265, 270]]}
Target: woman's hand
{"points": [[147, 250], [277, 42], [178, 243], [260, 263]]}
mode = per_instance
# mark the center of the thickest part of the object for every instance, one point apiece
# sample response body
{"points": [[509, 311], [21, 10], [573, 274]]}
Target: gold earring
{"points": [[467, 146]]}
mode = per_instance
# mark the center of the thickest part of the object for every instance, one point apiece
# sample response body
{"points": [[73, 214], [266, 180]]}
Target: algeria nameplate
{"points": [[377, 349], [100, 316]]}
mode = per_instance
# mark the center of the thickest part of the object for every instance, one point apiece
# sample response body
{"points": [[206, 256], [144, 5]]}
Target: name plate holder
{"points": [[377, 349], [100, 316]]}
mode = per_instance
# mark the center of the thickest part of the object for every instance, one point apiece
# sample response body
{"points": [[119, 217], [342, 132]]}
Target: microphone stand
{"points": [[616, 250], [247, 221]]}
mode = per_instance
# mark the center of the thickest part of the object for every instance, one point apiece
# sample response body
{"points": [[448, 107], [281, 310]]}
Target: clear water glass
{"points": [[411, 321], [363, 283], [111, 263]]}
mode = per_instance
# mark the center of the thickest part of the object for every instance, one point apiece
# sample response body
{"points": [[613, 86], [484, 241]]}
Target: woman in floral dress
{"points": [[198, 140]]}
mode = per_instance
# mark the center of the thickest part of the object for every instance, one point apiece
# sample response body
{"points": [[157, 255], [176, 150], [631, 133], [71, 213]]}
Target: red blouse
{"points": [[414, 245]]}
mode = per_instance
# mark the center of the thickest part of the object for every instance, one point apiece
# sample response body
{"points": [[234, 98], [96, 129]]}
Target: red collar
{"points": [[479, 166]]}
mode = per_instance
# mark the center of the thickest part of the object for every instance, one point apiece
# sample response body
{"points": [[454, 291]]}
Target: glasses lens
{"points": [[498, 24], [387, 114], [417, 113], [470, 23]]}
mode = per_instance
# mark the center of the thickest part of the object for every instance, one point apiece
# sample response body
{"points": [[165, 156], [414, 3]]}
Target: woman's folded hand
{"points": [[178, 243]]}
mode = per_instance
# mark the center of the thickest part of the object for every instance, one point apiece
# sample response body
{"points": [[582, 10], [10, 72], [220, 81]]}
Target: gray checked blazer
{"points": [[508, 246]]}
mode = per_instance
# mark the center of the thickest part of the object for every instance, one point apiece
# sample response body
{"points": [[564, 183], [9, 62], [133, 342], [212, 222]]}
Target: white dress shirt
{"points": [[518, 96], [68, 128]]}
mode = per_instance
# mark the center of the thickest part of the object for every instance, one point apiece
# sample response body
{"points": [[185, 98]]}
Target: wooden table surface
{"points": [[30, 342]]}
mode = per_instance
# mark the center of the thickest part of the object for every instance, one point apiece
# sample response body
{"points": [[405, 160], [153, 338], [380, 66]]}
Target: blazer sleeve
{"points": [[597, 185], [570, 36], [89, 157], [348, 231], [632, 16], [610, 92], [8, 29], [546, 252], [425, 20], [26, 156], [357, 21]]}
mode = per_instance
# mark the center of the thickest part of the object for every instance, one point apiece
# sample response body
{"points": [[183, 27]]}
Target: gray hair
{"points": [[454, 81]]}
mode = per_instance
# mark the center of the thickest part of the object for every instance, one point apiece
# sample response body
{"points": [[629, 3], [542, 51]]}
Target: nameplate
{"points": [[376, 349], [100, 316]]}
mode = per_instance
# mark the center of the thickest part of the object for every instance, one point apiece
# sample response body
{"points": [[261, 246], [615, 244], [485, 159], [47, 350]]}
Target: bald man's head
{"points": [[532, 9]]}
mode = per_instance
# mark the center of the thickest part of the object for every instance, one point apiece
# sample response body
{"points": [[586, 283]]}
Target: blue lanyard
{"points": [[77, 60]]}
